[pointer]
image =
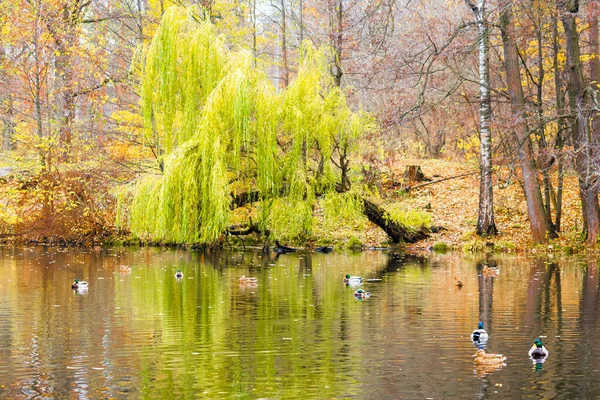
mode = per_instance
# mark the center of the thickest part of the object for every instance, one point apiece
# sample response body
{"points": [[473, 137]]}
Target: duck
{"points": [[324, 249], [279, 249], [77, 284], [538, 350], [458, 283], [482, 358], [124, 268], [352, 280], [178, 274], [361, 294], [479, 334], [251, 280]]}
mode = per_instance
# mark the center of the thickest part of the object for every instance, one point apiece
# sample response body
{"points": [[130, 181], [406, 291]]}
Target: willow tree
{"points": [[221, 132]]}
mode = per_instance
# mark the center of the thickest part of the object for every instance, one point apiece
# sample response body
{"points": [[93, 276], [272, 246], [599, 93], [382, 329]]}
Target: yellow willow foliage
{"points": [[183, 64], [225, 130]]}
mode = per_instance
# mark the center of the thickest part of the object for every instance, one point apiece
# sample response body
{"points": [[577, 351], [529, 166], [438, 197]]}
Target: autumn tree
{"points": [[539, 222], [582, 111]]}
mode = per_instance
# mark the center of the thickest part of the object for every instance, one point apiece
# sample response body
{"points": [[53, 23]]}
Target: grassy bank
{"points": [[83, 212]]}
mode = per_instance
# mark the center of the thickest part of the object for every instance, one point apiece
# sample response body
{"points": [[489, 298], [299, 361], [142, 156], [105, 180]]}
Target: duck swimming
{"points": [[538, 351], [77, 284], [361, 294], [482, 358], [479, 334], [178, 274], [280, 249], [352, 280], [458, 283]]}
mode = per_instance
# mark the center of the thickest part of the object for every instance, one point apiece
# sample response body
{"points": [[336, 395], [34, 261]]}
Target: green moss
{"points": [[505, 247], [412, 219], [440, 247], [474, 246], [354, 243]]}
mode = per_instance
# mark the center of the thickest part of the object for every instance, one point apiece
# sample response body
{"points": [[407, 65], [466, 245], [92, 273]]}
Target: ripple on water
{"points": [[299, 333]]}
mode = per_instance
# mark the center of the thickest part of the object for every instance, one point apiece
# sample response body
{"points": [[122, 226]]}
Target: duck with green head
{"points": [[178, 274], [479, 335], [77, 284], [352, 280], [538, 351], [361, 294]]}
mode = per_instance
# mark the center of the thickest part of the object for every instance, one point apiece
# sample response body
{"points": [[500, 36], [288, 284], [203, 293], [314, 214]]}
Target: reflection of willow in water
{"points": [[239, 339]]}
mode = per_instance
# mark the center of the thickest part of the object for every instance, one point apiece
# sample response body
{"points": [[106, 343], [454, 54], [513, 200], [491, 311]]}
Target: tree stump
{"points": [[413, 173]]}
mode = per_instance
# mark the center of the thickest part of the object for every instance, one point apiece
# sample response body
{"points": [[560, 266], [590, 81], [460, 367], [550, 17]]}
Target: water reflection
{"points": [[299, 332]]}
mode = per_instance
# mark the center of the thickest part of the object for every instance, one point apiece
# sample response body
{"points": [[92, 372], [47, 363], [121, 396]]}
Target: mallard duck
{"points": [[457, 282], [361, 294], [479, 334], [124, 268], [77, 284], [482, 358], [178, 274], [352, 280], [538, 350], [244, 279]]}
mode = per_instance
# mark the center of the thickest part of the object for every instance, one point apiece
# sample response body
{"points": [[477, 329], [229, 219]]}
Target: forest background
{"points": [[499, 96]]}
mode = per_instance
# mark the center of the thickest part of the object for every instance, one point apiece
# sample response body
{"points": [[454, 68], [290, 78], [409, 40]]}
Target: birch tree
{"points": [[485, 220]]}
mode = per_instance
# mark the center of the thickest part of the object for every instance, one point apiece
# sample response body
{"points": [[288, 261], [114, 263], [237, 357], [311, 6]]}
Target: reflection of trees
{"points": [[587, 326], [539, 303], [299, 325], [396, 261], [544, 306], [486, 292]]}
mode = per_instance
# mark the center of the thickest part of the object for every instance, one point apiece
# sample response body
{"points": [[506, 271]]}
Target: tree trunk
{"points": [[336, 27], [541, 120], [8, 132], [64, 70], [301, 17], [377, 215], [254, 47], [397, 232], [284, 50], [485, 220], [560, 109], [413, 173], [540, 227], [580, 104], [45, 159]]}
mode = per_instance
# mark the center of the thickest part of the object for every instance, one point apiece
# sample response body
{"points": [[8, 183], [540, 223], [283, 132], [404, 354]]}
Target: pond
{"points": [[299, 332]]}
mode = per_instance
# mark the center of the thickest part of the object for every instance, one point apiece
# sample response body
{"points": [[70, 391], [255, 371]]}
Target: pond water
{"points": [[299, 333]]}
